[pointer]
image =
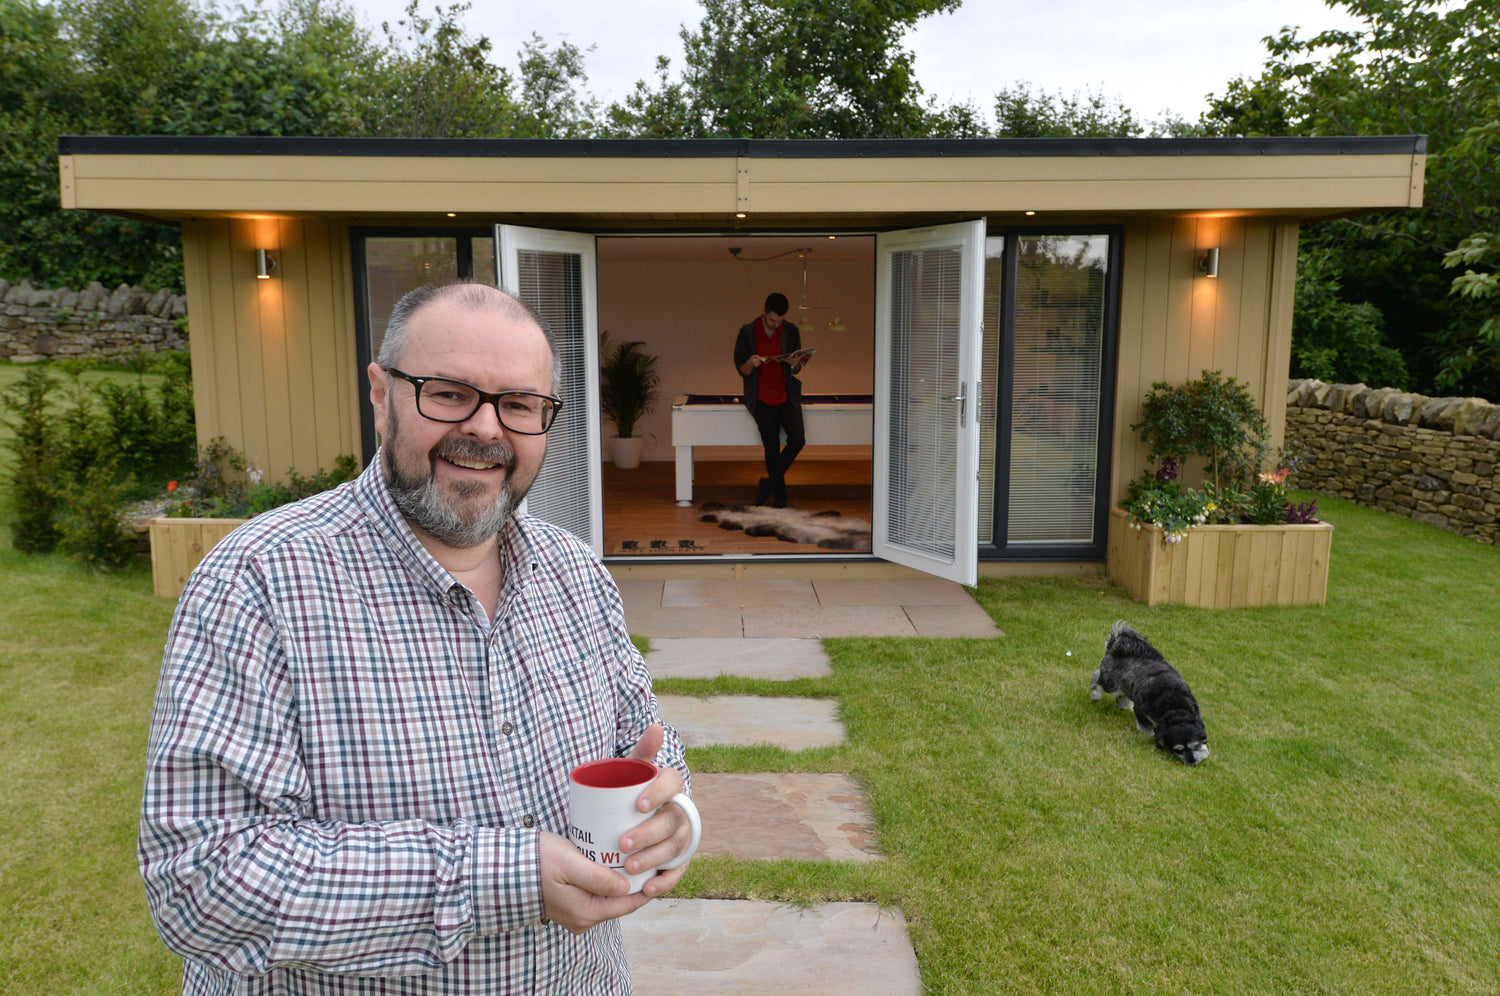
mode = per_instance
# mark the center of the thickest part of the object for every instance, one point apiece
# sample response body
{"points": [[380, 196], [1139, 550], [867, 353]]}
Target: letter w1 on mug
{"points": [[601, 808]]}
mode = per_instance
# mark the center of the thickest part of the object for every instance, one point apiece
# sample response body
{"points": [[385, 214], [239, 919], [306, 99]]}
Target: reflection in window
{"points": [[395, 265], [1055, 389]]}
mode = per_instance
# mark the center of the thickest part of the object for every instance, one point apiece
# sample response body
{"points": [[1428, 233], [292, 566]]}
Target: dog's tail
{"points": [[1124, 640]]}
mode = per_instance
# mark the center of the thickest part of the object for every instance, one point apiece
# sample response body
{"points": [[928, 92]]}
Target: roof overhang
{"points": [[715, 182]]}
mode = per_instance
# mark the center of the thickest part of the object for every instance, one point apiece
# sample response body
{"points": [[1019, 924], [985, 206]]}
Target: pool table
{"points": [[721, 420]]}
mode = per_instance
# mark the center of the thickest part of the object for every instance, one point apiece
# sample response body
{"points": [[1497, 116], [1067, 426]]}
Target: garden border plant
{"points": [[1215, 419]]}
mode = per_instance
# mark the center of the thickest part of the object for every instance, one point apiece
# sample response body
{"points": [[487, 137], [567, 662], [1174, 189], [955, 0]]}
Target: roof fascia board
{"points": [[739, 148]]}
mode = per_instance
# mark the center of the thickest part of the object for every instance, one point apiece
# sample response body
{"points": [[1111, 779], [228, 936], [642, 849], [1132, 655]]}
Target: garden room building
{"points": [[987, 314]]}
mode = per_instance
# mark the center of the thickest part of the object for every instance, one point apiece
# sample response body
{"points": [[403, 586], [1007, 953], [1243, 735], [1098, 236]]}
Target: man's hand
{"points": [[581, 894], [665, 835]]}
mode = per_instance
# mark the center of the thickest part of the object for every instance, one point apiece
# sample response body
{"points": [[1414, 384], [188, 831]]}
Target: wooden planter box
{"points": [[177, 545], [1222, 567]]}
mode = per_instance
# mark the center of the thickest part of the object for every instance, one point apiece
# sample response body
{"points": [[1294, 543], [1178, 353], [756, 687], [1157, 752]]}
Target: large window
{"points": [[1049, 333], [390, 262]]}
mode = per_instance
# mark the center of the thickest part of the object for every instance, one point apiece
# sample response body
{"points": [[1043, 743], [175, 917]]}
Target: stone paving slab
{"points": [[793, 724], [952, 620], [659, 623], [772, 659], [787, 815], [692, 947], [891, 591], [699, 592], [812, 621]]}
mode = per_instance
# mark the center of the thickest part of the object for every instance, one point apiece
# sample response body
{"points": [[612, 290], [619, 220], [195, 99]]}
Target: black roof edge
{"points": [[702, 148]]}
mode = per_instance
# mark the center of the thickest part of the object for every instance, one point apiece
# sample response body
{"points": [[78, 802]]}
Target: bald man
{"points": [[371, 700]]}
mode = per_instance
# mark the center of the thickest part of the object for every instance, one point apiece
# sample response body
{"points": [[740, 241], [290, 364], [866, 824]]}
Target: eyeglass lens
{"points": [[453, 401]]}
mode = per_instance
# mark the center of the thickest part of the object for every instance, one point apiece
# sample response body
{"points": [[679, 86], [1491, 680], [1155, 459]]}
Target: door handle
{"points": [[962, 398]]}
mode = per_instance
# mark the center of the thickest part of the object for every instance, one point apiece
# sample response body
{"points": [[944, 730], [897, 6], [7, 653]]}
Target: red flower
{"points": [[171, 486]]}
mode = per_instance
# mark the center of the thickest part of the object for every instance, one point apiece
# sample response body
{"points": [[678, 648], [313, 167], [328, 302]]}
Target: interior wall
{"points": [[688, 311]]}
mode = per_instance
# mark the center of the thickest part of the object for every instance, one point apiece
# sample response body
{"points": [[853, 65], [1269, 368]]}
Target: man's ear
{"points": [[380, 385]]}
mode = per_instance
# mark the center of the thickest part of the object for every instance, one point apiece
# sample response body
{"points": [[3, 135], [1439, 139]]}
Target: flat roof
{"points": [[707, 183], [752, 148]]}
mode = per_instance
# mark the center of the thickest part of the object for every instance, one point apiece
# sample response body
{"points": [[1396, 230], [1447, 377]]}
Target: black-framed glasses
{"points": [[443, 400]]}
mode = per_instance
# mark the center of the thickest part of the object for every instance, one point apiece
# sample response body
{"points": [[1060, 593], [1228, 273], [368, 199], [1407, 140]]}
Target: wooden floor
{"points": [[640, 505]]}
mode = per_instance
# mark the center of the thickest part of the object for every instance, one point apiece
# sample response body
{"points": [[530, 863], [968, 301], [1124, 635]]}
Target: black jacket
{"points": [[744, 348]]}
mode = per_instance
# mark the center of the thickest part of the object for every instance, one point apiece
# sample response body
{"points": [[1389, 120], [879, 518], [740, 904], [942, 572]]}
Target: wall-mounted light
{"points": [[1208, 262], [265, 264]]}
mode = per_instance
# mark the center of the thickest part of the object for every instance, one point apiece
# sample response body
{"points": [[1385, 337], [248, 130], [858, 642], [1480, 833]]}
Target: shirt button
{"points": [[507, 729], [528, 820]]}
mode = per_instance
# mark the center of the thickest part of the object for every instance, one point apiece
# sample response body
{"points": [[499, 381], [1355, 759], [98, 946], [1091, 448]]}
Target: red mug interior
{"points": [[614, 772]]}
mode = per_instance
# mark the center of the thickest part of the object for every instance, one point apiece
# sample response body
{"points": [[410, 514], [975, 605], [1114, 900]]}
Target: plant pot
{"points": [[177, 545], [626, 452], [1221, 567]]}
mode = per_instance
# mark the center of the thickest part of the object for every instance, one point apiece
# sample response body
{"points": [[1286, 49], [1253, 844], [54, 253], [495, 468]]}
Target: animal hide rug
{"points": [[829, 530]]}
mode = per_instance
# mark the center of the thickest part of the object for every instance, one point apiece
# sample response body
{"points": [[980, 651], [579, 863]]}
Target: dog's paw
{"points": [[1123, 701], [1096, 690]]}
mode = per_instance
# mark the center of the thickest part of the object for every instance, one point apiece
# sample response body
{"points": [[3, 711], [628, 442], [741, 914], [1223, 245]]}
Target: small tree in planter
{"points": [[628, 382], [1236, 540], [1213, 418]]}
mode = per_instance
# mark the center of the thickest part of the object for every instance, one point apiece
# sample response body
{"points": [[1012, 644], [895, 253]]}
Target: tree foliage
{"points": [[434, 80], [1414, 67], [789, 69], [1022, 113]]}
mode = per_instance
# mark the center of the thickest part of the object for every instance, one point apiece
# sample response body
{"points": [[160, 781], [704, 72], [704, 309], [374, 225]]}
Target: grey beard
{"points": [[425, 506]]}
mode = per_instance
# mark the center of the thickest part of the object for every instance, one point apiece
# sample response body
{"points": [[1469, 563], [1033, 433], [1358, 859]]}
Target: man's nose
{"points": [[485, 422]]}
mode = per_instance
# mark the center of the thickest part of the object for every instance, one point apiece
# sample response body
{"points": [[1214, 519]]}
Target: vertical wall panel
{"points": [[1174, 325], [1278, 340], [270, 346], [301, 402], [273, 360]]}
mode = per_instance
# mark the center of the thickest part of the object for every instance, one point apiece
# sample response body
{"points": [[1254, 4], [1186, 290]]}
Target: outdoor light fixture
{"points": [[265, 264], [1208, 262]]}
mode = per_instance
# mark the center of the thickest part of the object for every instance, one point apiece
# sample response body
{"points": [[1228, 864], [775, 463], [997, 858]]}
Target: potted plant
{"points": [[628, 381], [223, 494], [1236, 539]]}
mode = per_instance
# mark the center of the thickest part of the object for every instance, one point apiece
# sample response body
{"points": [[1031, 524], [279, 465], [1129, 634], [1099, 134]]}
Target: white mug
{"points": [[602, 797]]}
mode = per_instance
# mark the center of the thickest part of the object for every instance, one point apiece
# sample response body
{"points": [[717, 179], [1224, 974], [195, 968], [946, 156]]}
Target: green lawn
{"points": [[1344, 837]]}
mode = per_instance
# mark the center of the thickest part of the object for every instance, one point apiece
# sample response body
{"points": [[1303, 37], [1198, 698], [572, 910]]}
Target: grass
{"points": [[1344, 837]]}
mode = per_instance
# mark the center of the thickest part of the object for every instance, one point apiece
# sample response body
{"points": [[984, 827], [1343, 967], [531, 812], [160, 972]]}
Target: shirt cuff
{"points": [[507, 879]]}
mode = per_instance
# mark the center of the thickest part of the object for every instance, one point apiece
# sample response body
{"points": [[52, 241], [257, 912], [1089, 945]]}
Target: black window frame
{"points": [[999, 548]]}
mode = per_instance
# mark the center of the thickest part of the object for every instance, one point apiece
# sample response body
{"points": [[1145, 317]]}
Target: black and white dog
{"points": [[1137, 675]]}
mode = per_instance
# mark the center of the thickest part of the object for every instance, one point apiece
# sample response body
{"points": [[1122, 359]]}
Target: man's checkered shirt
{"points": [[349, 766]]}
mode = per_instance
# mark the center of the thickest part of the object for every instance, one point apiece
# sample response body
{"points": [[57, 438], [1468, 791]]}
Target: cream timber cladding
{"points": [[717, 186], [1174, 325], [273, 361]]}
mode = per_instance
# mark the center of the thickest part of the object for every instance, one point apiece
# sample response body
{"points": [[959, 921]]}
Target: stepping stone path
{"points": [[743, 947], [694, 947]]}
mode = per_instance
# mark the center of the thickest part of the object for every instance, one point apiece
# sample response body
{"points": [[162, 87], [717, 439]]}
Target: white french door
{"points": [[555, 273], [929, 302]]}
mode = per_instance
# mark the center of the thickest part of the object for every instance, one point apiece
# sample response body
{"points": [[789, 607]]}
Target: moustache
{"points": [[457, 447]]}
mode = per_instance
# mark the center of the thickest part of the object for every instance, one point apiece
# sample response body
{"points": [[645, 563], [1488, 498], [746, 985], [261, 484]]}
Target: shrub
{"points": [[93, 533], [33, 497], [1216, 419], [224, 486]]}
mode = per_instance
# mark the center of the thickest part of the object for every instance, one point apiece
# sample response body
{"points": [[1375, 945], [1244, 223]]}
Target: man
{"points": [[772, 392], [357, 772]]}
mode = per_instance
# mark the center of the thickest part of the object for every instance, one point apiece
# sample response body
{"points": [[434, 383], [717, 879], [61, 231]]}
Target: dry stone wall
{"points": [[1431, 459], [36, 324]]}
